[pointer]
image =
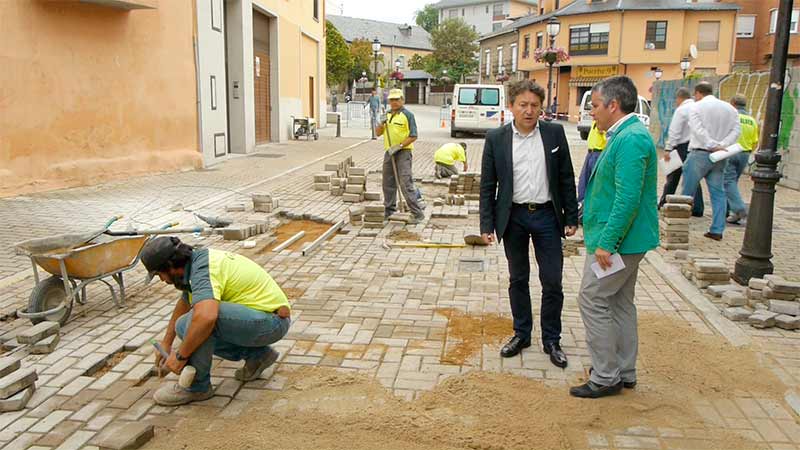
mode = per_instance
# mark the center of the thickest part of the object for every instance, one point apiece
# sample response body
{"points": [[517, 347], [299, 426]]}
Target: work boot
{"points": [[417, 219], [253, 367], [172, 394]]}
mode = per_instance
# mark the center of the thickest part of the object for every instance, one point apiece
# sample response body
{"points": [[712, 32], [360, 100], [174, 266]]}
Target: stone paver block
{"points": [[372, 196], [126, 437], [711, 267], [352, 198], [787, 322], [757, 283], [17, 381], [236, 207], [236, 232], [17, 401], [762, 319], [38, 332], [768, 292], [737, 314], [358, 171], [322, 186], [785, 307], [46, 345], [354, 189], [8, 365], [734, 298], [718, 290], [684, 199]]}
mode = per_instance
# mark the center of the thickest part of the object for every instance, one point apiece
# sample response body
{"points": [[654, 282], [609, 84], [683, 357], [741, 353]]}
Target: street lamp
{"points": [[658, 73], [756, 252], [685, 65], [553, 28], [376, 47]]}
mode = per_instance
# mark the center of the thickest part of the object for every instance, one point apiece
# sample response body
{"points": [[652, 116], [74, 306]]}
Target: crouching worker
{"points": [[230, 307], [445, 158]]}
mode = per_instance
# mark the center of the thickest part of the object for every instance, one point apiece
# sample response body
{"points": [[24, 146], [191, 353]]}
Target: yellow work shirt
{"points": [[597, 139], [399, 126], [749, 137], [232, 278], [448, 154]]}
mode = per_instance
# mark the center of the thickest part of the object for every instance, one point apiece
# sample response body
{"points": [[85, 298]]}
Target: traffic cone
{"points": [[443, 124]]}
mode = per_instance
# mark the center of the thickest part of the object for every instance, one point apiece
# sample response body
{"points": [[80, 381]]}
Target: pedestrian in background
{"points": [[596, 142], [714, 126], [678, 139], [620, 218], [748, 139]]}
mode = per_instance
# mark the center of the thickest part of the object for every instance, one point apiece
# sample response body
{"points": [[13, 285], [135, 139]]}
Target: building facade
{"points": [[755, 34], [94, 90], [499, 57], [655, 37], [484, 16], [399, 42]]}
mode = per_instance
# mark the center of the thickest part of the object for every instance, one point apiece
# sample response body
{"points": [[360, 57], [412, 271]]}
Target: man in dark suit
{"points": [[528, 193]]}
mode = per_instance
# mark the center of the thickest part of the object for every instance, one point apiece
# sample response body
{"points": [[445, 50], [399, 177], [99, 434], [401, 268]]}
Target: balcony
{"points": [[118, 4]]}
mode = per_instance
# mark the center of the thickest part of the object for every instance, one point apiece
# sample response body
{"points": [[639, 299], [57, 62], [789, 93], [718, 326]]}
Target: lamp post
{"points": [[756, 252], [396, 69], [553, 28], [685, 65], [658, 73]]}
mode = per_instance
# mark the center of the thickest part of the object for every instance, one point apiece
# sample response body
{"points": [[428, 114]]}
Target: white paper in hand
{"points": [[729, 151], [675, 162], [616, 265]]}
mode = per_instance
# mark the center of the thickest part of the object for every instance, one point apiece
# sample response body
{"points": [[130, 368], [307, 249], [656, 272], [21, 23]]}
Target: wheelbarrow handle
{"points": [[112, 220]]}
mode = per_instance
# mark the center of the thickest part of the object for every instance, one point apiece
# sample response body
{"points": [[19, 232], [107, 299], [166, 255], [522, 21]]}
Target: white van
{"points": [[585, 121], [478, 108]]}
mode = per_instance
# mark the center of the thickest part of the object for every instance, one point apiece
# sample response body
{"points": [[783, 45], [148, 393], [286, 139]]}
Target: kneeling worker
{"points": [[230, 307], [446, 157]]}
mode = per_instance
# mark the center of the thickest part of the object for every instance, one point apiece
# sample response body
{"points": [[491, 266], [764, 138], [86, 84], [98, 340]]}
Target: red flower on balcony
{"points": [[396, 75]]}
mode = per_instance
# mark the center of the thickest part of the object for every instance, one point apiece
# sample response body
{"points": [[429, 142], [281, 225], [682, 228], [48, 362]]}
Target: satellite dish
{"points": [[693, 51]]}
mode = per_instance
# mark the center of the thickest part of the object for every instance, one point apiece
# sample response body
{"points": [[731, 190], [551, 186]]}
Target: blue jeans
{"points": [[541, 227], [736, 165], [240, 333], [696, 167], [586, 172]]}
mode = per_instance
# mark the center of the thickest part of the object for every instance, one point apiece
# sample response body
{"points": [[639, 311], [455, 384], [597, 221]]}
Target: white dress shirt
{"points": [[679, 132], [530, 168], [713, 123]]}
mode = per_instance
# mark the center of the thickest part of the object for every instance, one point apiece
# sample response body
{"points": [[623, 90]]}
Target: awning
{"points": [[584, 81]]}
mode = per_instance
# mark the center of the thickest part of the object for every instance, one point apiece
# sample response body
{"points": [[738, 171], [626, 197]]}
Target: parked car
{"points": [[585, 122], [478, 108]]}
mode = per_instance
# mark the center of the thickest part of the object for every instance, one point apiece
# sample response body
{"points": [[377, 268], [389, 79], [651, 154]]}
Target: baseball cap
{"points": [[156, 253], [395, 94]]}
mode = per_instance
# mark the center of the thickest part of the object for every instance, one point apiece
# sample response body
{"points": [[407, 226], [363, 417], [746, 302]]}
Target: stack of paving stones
{"points": [[374, 215], [456, 199], [41, 338], [776, 302], [264, 203], [357, 215], [356, 185], [242, 231], [674, 222], [17, 385], [467, 184], [450, 212], [705, 270]]}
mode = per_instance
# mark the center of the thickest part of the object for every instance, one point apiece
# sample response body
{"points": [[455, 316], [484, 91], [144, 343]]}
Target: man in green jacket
{"points": [[620, 222]]}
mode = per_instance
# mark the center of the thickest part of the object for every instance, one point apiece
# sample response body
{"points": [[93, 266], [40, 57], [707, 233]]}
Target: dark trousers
{"points": [[674, 179], [541, 227]]}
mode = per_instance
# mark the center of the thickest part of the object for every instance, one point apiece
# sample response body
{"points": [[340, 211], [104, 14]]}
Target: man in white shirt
{"points": [[528, 194], [714, 125], [678, 139]]}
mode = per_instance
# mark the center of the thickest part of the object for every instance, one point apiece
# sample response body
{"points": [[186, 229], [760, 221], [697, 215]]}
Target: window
{"points": [[513, 57], [539, 39], [497, 9], [462, 12], [490, 97], [453, 13], [475, 96], [499, 59], [773, 20], [487, 9], [745, 26], [316, 10], [467, 96], [708, 36], [656, 35], [589, 39], [526, 46], [402, 60], [488, 62], [496, 26]]}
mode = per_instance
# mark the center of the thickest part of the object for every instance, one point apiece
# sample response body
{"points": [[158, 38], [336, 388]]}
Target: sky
{"points": [[390, 11]]}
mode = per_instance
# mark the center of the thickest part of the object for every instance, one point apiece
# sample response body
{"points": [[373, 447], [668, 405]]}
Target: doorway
{"points": [[261, 77], [311, 97]]}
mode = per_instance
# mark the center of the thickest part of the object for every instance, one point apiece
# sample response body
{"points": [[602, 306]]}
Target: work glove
{"points": [[394, 149]]}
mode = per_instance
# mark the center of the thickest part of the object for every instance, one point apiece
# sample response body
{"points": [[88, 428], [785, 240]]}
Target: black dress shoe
{"points": [[714, 236], [514, 346], [625, 384], [592, 390], [557, 356]]}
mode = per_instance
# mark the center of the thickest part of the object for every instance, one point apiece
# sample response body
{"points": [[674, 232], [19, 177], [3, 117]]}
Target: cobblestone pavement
{"points": [[349, 313]]}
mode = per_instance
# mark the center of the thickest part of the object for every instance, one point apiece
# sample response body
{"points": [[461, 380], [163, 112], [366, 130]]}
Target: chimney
{"points": [[405, 29]]}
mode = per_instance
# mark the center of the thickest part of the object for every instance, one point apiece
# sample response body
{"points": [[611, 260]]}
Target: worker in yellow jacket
{"points": [[748, 139], [596, 142]]}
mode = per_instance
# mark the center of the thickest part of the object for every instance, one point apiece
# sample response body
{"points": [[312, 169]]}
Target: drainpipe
{"points": [[199, 103]]}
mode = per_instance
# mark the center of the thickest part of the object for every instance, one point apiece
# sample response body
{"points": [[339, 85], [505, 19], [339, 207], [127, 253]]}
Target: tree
{"points": [[454, 48], [417, 62], [361, 54], [337, 58], [427, 17]]}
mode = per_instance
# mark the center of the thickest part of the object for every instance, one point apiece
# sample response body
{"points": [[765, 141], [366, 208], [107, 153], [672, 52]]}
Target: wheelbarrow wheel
{"points": [[47, 295]]}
